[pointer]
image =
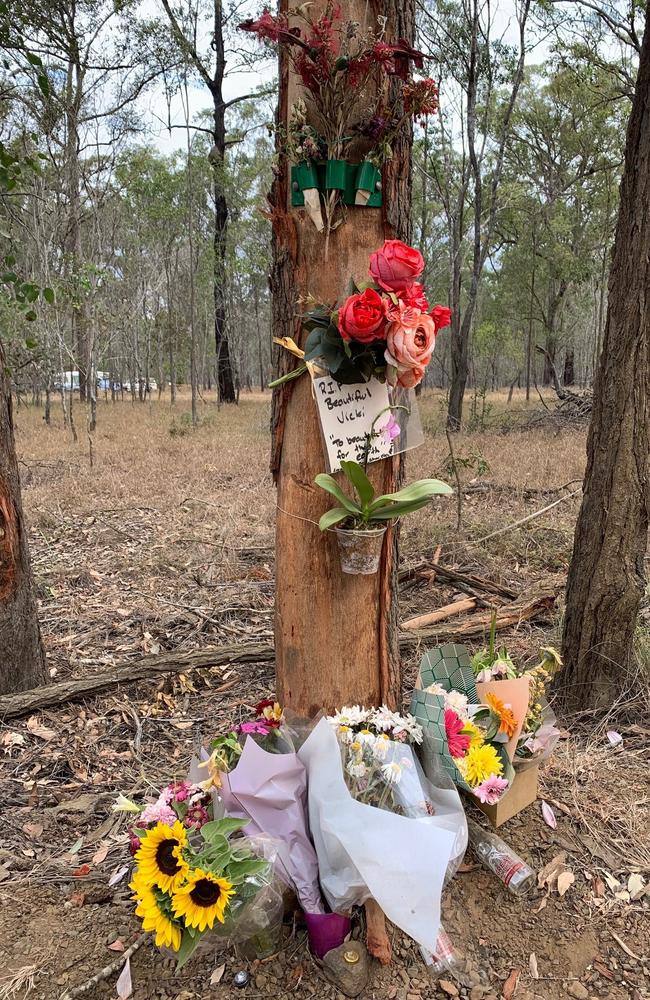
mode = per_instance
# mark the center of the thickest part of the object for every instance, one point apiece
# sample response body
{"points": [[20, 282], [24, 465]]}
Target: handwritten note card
{"points": [[346, 414]]}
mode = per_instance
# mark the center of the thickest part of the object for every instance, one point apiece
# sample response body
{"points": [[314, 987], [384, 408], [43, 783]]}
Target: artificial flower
{"points": [[160, 859], [396, 266], [409, 346], [457, 741], [491, 790], [202, 899], [441, 317], [362, 317], [507, 721], [480, 762], [403, 55], [151, 907], [421, 98], [415, 297]]}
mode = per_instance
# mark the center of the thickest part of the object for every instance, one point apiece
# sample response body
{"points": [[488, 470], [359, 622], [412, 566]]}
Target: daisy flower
{"points": [[392, 773], [365, 737], [345, 734], [356, 769], [436, 689], [384, 720], [380, 747]]}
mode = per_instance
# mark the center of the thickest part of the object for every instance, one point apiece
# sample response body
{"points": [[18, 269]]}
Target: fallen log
{"points": [[14, 705], [442, 614], [536, 604]]}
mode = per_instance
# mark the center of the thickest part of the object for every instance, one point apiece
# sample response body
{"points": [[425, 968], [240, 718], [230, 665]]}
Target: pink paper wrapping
{"points": [[271, 788]]}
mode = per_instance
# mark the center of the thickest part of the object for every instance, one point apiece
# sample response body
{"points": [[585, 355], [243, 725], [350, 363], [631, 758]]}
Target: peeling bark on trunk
{"points": [[606, 578], [22, 660], [335, 635]]}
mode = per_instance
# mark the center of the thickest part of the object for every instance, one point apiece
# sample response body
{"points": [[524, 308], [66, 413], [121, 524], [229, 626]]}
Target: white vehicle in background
{"points": [[150, 386], [67, 380]]}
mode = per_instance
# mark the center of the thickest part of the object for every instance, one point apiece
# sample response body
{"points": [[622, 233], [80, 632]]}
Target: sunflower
{"points": [[202, 899], [152, 909], [160, 861], [480, 762], [507, 721]]}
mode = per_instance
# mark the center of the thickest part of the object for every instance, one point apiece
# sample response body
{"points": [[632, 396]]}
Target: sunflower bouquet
{"points": [[188, 884], [379, 765]]}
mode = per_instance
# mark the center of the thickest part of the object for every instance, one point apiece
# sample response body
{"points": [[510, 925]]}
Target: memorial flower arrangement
{"points": [[378, 761], [538, 734], [189, 881], [384, 329], [347, 109]]}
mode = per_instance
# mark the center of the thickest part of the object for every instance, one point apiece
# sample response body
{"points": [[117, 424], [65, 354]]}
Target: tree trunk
{"points": [[22, 660], [606, 578], [335, 635], [569, 374]]}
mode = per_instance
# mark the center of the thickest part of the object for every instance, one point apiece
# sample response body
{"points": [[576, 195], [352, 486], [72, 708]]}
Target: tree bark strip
{"points": [[606, 577]]}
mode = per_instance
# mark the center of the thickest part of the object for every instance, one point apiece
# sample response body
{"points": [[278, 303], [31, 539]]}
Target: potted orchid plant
{"points": [[360, 521]]}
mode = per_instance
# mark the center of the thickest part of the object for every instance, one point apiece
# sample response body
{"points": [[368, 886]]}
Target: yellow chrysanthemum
{"points": [[474, 733], [160, 860], [202, 899], [167, 931], [479, 763]]}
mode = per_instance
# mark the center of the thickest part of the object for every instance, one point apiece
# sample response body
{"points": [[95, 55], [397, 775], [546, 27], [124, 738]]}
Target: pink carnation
{"points": [[491, 790], [158, 812]]}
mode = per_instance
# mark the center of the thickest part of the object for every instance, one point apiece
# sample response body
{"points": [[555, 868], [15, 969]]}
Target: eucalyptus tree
{"points": [[480, 78], [212, 55]]}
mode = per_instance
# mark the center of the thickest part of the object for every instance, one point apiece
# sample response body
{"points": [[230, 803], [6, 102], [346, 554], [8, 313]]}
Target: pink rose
{"points": [[441, 316], [363, 317], [396, 266], [409, 345]]}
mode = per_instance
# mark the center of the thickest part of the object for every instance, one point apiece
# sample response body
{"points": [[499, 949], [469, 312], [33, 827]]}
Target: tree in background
{"points": [[606, 577], [211, 68]]}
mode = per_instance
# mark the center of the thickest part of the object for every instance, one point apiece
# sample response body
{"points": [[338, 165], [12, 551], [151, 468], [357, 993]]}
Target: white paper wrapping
{"points": [[366, 852]]}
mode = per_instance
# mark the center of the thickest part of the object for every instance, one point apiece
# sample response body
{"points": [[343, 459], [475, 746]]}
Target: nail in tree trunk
{"points": [[335, 635], [22, 660], [606, 577]]}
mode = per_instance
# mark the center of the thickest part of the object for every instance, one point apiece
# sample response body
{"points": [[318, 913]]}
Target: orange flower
{"points": [[507, 721]]}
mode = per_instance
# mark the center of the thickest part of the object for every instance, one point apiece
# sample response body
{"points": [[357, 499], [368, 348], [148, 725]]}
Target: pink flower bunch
{"points": [[396, 311]]}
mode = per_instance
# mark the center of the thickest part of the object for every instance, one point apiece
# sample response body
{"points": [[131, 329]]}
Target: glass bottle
{"points": [[500, 859]]}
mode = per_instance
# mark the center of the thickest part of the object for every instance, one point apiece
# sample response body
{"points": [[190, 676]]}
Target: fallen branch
{"points": [[525, 520], [106, 972], [14, 705], [442, 614], [460, 579], [538, 604]]}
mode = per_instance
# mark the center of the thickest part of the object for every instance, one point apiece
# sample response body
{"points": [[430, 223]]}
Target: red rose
{"points": [[396, 266], [441, 316], [414, 297], [363, 317]]}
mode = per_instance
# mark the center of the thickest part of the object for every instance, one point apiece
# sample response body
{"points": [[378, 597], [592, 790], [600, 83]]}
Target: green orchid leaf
{"points": [[333, 517], [331, 486], [420, 490], [360, 481], [396, 510]]}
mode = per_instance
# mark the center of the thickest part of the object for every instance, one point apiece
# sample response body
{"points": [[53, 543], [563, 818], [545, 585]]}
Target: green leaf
{"points": [[396, 510], [240, 870], [48, 295], [332, 518], [423, 489], [43, 84], [187, 948], [30, 316], [360, 481], [30, 344], [331, 486], [222, 827]]}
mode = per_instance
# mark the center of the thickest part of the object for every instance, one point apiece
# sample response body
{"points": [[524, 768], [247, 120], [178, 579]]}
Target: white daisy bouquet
{"points": [[379, 765]]}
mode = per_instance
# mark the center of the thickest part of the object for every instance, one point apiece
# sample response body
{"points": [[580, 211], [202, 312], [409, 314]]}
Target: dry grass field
{"points": [[166, 542]]}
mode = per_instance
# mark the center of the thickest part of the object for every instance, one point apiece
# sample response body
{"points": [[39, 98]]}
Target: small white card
{"points": [[346, 414]]}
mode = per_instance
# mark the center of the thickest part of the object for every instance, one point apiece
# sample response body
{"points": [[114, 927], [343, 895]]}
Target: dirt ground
{"points": [[167, 543]]}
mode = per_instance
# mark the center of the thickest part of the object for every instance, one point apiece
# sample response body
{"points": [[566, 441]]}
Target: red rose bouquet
{"points": [[384, 328]]}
